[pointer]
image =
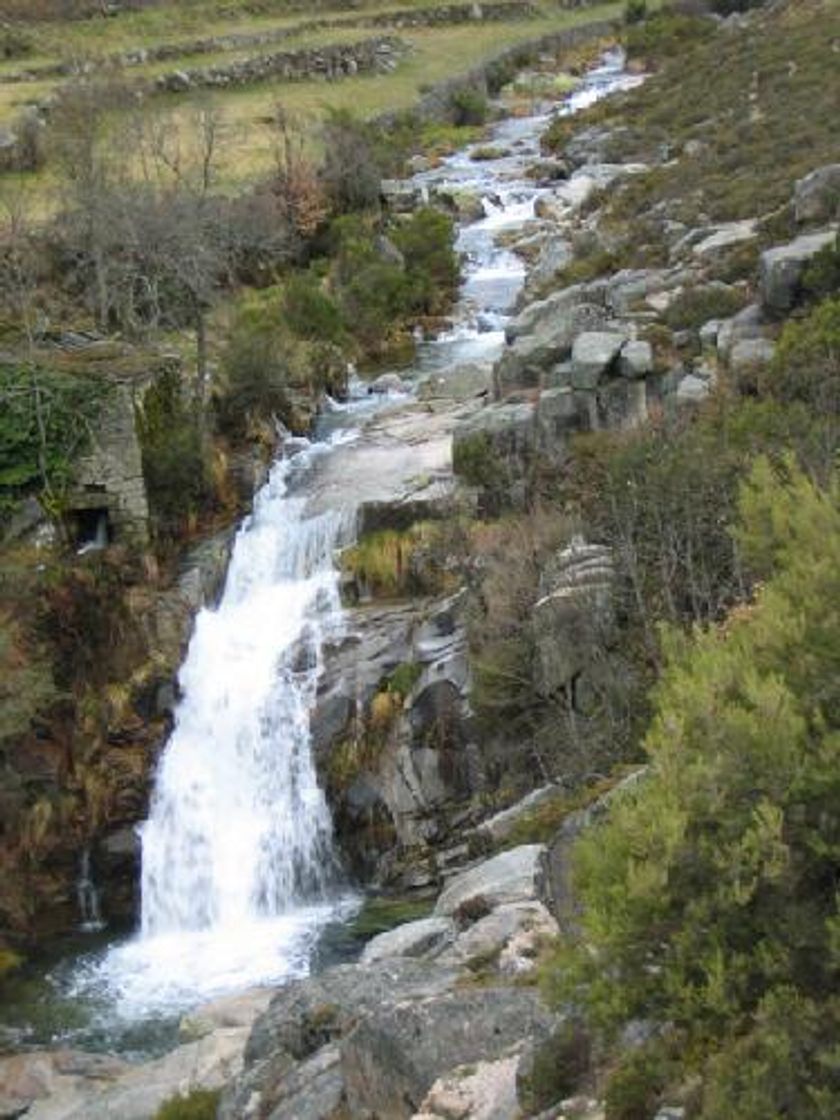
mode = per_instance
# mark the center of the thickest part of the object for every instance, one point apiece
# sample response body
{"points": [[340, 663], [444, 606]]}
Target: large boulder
{"points": [[510, 931], [574, 613], [816, 198], [512, 876], [291, 1060], [781, 269], [594, 354], [394, 1056]]}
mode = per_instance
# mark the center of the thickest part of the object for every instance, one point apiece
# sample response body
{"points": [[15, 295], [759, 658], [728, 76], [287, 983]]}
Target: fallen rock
{"points": [[692, 389], [512, 876], [750, 354]]}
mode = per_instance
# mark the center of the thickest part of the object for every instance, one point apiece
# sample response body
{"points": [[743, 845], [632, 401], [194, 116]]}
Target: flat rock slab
{"points": [[412, 939], [512, 876], [404, 454]]}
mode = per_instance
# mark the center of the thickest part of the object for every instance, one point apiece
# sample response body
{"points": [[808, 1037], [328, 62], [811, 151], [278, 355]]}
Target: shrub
{"points": [[557, 1068], [468, 107], [309, 311], [695, 306], [176, 465], [15, 42], [352, 169], [635, 11], [822, 276], [806, 366], [635, 1087], [708, 898], [665, 36], [427, 243], [200, 1104]]}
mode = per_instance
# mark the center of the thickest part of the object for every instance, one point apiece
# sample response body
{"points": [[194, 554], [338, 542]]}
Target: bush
{"points": [[200, 1104], [176, 465], [822, 276], [635, 1087], [427, 243], [806, 365], [708, 898], [635, 11], [695, 306], [665, 36], [15, 42], [309, 311], [468, 107], [557, 1069]]}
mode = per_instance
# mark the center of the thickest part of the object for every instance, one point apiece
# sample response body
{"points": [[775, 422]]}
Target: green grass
{"points": [[247, 141], [378, 915]]}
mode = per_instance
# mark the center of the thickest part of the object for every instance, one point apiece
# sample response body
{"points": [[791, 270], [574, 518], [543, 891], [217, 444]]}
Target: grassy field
{"points": [[435, 54]]}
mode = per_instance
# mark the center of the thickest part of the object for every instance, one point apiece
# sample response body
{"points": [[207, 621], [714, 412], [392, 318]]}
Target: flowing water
{"points": [[239, 873]]}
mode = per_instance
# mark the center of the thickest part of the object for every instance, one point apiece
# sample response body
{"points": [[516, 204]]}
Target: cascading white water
{"points": [[239, 874], [238, 827]]}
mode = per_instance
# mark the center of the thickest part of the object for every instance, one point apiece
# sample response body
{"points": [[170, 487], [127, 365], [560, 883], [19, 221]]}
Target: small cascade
{"points": [[88, 896]]}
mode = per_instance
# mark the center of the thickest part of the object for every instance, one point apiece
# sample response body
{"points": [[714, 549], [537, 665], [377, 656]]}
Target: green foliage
{"points": [[822, 276], [806, 366], [15, 42], [175, 461], [199, 1104], [709, 895], [427, 243], [309, 311], [695, 306], [379, 291], [635, 1087], [46, 420], [468, 107], [390, 564], [635, 11], [26, 683], [557, 1069], [665, 35], [405, 677]]}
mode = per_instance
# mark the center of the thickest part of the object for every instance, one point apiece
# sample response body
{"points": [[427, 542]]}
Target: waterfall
{"points": [[88, 896], [238, 827]]}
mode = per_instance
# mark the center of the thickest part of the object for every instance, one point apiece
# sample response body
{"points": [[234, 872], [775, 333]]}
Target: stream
{"points": [[241, 885]]}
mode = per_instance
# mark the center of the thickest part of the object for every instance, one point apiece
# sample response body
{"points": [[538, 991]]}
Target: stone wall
{"points": [[110, 476]]}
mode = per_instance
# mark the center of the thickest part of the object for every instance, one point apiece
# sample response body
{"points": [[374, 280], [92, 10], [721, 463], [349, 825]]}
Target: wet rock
{"points": [[235, 1011], [816, 198], [512, 876], [465, 204], [412, 939], [395, 1055], [555, 254], [459, 383], [781, 268], [387, 383]]}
